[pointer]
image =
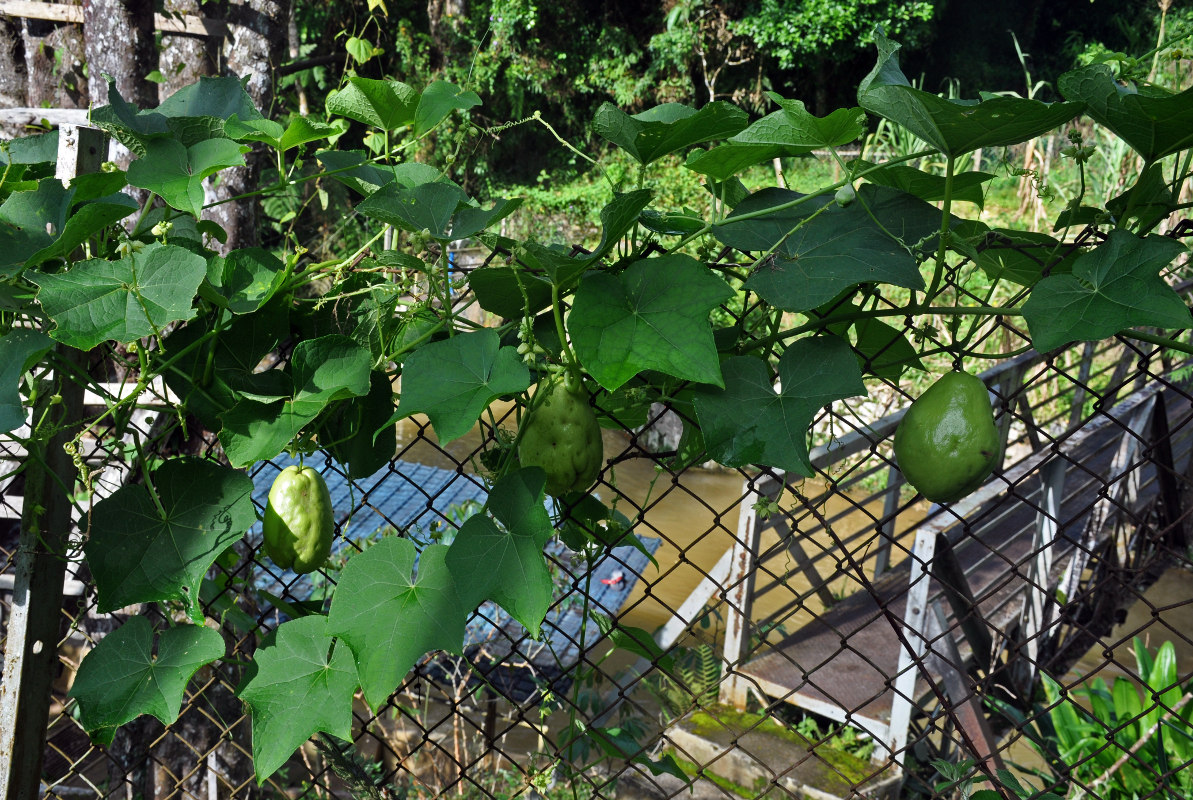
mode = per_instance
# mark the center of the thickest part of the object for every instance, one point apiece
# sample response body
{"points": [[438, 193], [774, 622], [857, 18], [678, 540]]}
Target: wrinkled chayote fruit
{"points": [[298, 520], [564, 438], [947, 443]]}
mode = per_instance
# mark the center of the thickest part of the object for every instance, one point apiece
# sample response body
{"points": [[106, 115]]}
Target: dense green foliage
{"points": [[272, 350]]}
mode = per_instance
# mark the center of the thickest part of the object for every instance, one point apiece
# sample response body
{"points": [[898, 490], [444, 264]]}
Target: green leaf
{"points": [[821, 254], [792, 125], [191, 115], [382, 104], [884, 350], [239, 348], [1148, 200], [967, 186], [300, 131], [1113, 287], [454, 380], [1155, 124], [670, 224], [812, 373], [323, 370], [176, 172], [85, 221], [954, 127], [390, 618], [471, 220], [20, 349], [361, 50], [726, 160], [509, 292], [140, 554], [640, 643], [506, 564], [618, 218], [25, 219], [359, 434], [245, 279], [352, 168], [667, 128], [437, 101], [128, 299], [652, 316], [428, 206], [125, 676], [304, 683], [1023, 256]]}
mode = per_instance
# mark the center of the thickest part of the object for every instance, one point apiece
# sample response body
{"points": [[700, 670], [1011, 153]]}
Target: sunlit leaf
{"points": [[304, 683], [1115, 286], [126, 675]]}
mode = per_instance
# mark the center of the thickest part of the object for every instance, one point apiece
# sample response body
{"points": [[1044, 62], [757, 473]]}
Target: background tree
{"points": [[255, 47], [822, 43]]}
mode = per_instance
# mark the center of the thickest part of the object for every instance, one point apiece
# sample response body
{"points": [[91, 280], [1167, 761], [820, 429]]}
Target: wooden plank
{"points": [[944, 659], [915, 630], [813, 669], [185, 24], [31, 644], [35, 116], [950, 576]]}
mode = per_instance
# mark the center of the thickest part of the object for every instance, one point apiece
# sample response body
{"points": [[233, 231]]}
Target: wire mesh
{"points": [[834, 636]]}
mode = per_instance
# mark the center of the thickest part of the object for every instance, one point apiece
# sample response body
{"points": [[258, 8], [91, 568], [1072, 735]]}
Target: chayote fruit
{"points": [[947, 443], [564, 438], [298, 520]]}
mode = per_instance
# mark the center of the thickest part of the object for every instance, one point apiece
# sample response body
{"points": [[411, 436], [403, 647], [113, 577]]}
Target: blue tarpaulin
{"points": [[414, 500]]}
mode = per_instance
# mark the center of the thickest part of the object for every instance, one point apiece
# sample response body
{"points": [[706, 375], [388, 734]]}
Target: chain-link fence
{"points": [[830, 637]]}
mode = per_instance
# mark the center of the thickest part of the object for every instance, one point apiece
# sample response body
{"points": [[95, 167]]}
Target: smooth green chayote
{"points": [[298, 520], [563, 437], [947, 443]]}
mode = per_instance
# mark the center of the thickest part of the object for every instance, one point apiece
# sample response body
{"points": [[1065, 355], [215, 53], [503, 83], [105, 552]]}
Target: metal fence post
{"points": [[739, 601]]}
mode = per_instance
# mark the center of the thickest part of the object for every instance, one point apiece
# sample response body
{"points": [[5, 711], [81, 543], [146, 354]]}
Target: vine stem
{"points": [[1151, 338], [943, 247], [824, 322]]}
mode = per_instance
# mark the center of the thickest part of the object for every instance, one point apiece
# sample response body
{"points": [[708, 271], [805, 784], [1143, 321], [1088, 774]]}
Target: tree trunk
{"points": [[185, 59], [14, 91], [54, 59], [444, 42], [256, 46], [120, 46]]}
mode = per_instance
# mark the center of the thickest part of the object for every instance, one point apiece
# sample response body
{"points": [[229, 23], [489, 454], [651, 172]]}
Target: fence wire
{"points": [[830, 637]]}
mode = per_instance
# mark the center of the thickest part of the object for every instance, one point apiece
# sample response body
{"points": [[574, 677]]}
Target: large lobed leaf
{"points": [[304, 683], [506, 564], [126, 676], [954, 127], [138, 554], [322, 370], [749, 422], [125, 300], [454, 380], [1115, 286], [652, 316], [391, 617]]}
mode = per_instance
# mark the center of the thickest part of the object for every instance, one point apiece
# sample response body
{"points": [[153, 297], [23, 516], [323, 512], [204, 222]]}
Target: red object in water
{"points": [[614, 579]]}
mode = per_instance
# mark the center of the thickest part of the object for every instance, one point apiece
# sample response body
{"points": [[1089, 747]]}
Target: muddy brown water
{"points": [[694, 515]]}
